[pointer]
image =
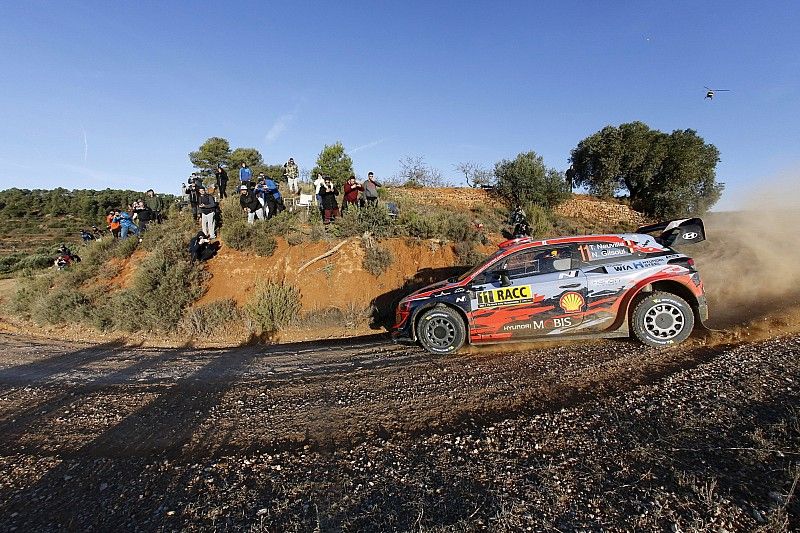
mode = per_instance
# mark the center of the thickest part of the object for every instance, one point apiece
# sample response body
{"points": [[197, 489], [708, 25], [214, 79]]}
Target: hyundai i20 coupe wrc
{"points": [[571, 287]]}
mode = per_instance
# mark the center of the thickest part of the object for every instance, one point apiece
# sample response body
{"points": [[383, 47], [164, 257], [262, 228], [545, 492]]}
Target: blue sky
{"points": [[113, 94]]}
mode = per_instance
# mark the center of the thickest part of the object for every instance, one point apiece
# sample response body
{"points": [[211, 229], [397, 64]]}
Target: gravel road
{"points": [[363, 435]]}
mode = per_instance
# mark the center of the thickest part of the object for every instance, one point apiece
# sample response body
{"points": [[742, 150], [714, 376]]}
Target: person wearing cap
{"points": [[250, 204], [292, 175], [245, 175], [208, 207]]}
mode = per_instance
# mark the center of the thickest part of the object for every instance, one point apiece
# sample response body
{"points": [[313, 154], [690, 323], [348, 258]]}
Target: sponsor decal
{"points": [[572, 302], [689, 235], [590, 252], [550, 323], [505, 296], [570, 274], [606, 281], [638, 265], [461, 299]]}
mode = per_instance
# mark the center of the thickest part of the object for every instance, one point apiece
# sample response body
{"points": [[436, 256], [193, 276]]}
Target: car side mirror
{"points": [[505, 281]]}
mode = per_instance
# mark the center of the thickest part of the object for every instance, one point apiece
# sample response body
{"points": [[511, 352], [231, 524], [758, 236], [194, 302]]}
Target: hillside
{"points": [[337, 295]]}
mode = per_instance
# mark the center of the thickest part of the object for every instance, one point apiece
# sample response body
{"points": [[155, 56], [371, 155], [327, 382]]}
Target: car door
{"points": [[531, 293]]}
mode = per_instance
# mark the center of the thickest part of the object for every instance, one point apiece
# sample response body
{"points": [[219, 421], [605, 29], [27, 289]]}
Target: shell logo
{"points": [[571, 302]]}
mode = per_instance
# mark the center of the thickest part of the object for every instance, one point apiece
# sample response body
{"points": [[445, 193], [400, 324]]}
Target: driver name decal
{"points": [[505, 296]]}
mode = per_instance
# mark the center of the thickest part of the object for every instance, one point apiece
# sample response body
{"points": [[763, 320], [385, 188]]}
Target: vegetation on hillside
{"points": [[665, 175]]}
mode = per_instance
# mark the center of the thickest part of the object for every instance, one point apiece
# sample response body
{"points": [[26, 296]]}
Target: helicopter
{"points": [[710, 92]]}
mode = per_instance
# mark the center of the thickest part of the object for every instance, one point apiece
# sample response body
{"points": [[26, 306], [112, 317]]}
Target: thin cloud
{"points": [[366, 146], [278, 127]]}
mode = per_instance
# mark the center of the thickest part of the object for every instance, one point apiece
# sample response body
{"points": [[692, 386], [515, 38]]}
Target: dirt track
{"points": [[364, 435]]}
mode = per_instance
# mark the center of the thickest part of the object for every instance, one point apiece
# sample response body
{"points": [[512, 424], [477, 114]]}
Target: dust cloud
{"points": [[750, 262]]}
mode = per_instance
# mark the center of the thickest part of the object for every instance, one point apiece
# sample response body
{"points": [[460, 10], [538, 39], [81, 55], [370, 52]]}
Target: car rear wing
{"points": [[677, 232]]}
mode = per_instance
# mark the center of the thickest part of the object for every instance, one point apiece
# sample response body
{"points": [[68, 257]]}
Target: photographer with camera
{"points": [[201, 248], [328, 193], [250, 204]]}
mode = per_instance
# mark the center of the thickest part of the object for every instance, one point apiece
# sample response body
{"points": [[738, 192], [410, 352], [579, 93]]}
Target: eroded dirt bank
{"points": [[361, 435]]}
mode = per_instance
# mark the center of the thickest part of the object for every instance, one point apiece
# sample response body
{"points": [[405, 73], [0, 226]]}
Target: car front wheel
{"points": [[441, 330], [662, 319]]}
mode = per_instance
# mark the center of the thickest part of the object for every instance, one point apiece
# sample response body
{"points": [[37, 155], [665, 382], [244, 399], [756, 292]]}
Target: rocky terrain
{"points": [[362, 435]]}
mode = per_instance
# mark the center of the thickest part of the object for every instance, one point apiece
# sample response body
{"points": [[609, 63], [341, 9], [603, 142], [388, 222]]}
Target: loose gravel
{"points": [[367, 436]]}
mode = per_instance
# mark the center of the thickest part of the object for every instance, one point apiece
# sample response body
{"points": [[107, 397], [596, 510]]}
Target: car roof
{"points": [[530, 242]]}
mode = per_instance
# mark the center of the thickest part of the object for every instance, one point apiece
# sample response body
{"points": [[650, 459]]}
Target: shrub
{"points": [[164, 284], [273, 306], [60, 305], [418, 225], [208, 319], [377, 259], [282, 224], [356, 222], [125, 247], [237, 234], [264, 245], [467, 254], [540, 220]]}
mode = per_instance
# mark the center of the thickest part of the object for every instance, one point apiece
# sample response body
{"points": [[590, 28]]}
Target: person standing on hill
{"points": [[221, 178], [208, 208], [318, 183], [155, 205], [274, 198], [113, 223], [328, 193], [126, 224], [292, 175], [351, 190], [250, 204], [370, 188], [246, 175]]}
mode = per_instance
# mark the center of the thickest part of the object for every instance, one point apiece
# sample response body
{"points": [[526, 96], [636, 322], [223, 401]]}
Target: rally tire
{"points": [[441, 330], [662, 319]]}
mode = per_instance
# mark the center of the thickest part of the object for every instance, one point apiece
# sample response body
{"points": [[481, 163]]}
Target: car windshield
{"points": [[472, 271]]}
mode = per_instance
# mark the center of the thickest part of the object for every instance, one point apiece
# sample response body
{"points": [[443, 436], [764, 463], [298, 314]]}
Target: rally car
{"points": [[576, 287]]}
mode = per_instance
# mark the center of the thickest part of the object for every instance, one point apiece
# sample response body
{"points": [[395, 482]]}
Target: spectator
{"points": [[246, 175], [126, 225], [155, 205], [250, 204], [113, 223], [330, 208], [201, 249], [351, 189], [208, 207], [221, 178], [371, 190], [292, 175], [86, 236], [267, 202], [274, 198], [141, 214], [193, 199], [318, 183]]}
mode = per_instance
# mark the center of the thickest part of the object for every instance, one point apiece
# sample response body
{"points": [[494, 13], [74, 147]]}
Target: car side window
{"points": [[538, 261]]}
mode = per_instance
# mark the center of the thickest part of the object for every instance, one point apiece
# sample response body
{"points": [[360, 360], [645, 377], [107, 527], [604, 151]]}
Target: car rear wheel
{"points": [[441, 330], [662, 319]]}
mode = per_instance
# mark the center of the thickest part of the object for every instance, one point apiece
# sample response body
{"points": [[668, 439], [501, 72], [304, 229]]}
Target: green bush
{"points": [[237, 234], [282, 224], [125, 247], [540, 220], [419, 225], [264, 245], [164, 284], [377, 259], [467, 254], [356, 222], [209, 319], [21, 261], [60, 305], [273, 306]]}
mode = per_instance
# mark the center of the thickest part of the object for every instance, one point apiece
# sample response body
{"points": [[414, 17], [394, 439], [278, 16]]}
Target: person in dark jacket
{"points": [[274, 199], [155, 205], [191, 190], [250, 204], [222, 182], [208, 207], [328, 193], [201, 249]]}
